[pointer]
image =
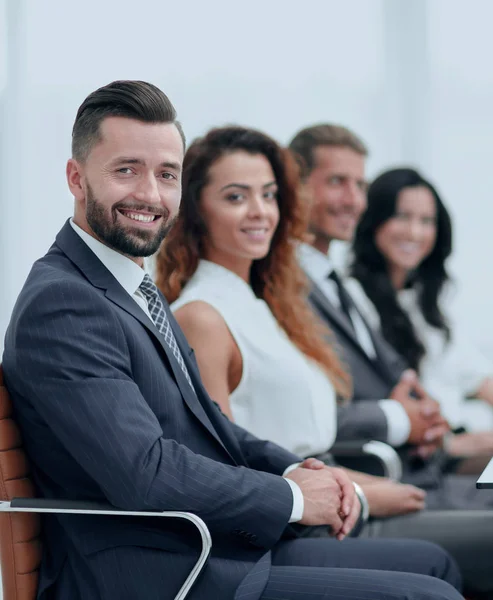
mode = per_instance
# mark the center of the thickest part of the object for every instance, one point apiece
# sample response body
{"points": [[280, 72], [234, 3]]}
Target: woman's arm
{"points": [[363, 478], [217, 354]]}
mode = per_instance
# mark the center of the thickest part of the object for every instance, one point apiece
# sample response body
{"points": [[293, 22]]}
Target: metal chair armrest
{"points": [[43, 505], [388, 460]]}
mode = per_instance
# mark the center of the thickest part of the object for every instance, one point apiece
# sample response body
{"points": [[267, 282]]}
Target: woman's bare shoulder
{"points": [[202, 321]]}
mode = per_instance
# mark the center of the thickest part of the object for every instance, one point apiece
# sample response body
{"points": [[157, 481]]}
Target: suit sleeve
{"points": [[362, 420], [71, 362]]}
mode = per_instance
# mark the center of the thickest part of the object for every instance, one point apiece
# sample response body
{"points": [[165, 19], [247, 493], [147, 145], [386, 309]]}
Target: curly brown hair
{"points": [[277, 278]]}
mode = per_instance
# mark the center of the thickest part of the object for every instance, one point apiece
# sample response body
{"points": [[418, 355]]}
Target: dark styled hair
{"points": [[276, 278], [305, 142], [370, 268], [131, 99]]}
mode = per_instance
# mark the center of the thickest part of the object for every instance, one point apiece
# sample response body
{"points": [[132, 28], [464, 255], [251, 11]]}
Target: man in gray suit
{"points": [[388, 403], [112, 408]]}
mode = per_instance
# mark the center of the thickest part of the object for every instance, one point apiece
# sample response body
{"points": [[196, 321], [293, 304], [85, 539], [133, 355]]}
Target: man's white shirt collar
{"points": [[128, 273], [318, 266]]}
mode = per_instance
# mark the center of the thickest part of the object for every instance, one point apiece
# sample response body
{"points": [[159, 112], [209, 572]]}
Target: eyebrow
{"points": [[364, 181], [243, 186], [137, 161]]}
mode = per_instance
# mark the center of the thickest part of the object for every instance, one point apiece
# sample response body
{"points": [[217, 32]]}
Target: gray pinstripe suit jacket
{"points": [[108, 415], [373, 379]]}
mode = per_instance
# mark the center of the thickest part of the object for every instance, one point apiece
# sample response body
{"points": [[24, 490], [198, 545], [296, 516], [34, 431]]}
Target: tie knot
{"points": [[335, 277], [148, 287]]}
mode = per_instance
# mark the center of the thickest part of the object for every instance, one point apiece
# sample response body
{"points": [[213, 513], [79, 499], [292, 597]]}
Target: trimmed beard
{"points": [[136, 242]]}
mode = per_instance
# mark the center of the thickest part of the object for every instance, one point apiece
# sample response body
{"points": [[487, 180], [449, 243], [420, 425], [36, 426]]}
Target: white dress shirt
{"points": [[129, 275], [318, 267]]}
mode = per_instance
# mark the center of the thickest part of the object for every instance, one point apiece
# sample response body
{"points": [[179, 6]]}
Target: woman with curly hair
{"points": [[229, 268]]}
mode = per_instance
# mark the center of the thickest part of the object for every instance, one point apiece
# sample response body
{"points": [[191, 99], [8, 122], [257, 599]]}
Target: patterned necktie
{"points": [[158, 314]]}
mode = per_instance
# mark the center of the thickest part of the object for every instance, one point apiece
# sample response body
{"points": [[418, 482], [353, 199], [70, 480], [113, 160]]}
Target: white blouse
{"points": [[283, 396], [449, 371]]}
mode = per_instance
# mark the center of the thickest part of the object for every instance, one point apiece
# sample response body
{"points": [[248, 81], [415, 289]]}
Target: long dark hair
{"points": [[277, 278], [370, 268]]}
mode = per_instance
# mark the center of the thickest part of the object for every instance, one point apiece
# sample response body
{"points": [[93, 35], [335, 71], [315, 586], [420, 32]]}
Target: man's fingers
{"points": [[350, 521], [420, 495], [336, 525], [435, 433], [409, 376], [407, 381], [419, 390], [416, 493], [347, 487], [405, 384], [312, 463], [429, 408], [415, 505]]}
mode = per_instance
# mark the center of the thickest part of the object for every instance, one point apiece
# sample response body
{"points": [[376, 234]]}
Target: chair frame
{"points": [[41, 505], [53, 506], [387, 461]]}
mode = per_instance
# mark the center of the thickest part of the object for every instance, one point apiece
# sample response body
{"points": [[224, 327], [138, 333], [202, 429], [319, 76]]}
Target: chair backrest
{"points": [[20, 540]]}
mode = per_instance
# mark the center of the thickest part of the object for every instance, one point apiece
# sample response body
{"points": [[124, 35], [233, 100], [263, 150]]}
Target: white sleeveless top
{"points": [[283, 396]]}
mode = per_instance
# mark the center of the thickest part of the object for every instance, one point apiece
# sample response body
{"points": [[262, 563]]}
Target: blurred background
{"points": [[412, 78]]}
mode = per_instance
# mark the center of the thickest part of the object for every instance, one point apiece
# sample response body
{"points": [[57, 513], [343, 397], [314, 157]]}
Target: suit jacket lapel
{"points": [[388, 360], [217, 418], [325, 306], [94, 270]]}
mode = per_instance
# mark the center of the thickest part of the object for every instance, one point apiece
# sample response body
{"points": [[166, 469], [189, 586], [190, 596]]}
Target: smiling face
{"points": [[127, 191], [409, 236], [240, 210], [336, 187]]}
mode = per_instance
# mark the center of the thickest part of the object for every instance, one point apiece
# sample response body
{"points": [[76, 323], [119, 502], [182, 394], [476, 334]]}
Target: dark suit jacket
{"points": [[107, 414], [373, 380]]}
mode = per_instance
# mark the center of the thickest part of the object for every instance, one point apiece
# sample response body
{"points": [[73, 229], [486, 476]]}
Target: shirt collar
{"points": [[317, 266], [128, 274]]}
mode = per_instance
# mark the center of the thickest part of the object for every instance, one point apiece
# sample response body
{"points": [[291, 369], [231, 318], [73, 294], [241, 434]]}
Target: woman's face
{"points": [[409, 236], [240, 210]]}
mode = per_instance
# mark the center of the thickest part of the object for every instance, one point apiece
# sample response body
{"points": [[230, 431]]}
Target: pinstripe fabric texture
{"points": [[316, 569], [158, 314], [107, 413]]}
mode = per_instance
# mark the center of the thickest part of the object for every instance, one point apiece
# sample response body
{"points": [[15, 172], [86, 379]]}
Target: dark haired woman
{"points": [[400, 282]]}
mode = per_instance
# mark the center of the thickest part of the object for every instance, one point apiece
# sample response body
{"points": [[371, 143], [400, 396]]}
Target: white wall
{"points": [[461, 147], [413, 78]]}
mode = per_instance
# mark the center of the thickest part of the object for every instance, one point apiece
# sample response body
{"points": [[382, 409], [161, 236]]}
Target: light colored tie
{"points": [[158, 314]]}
